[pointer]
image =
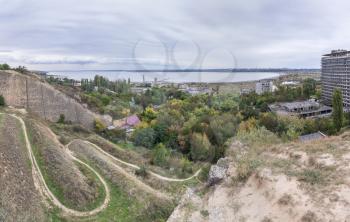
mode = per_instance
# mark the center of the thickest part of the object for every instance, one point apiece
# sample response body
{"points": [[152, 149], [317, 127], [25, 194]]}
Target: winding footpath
{"points": [[137, 167], [41, 185]]}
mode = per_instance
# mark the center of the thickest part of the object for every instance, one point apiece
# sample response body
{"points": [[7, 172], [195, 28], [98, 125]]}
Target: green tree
{"points": [[160, 155], [309, 87], [145, 137], [61, 119], [338, 114], [2, 100], [200, 147], [99, 126], [4, 67]]}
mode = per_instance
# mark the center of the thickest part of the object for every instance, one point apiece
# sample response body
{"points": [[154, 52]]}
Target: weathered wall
{"points": [[39, 98]]}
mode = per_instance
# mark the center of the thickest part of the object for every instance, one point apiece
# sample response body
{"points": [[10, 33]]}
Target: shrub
{"points": [[142, 172], [246, 167], [2, 101], [186, 165], [4, 67], [204, 174], [116, 134], [312, 176], [258, 136], [61, 119], [145, 137], [160, 156], [79, 129], [201, 149], [99, 126]]}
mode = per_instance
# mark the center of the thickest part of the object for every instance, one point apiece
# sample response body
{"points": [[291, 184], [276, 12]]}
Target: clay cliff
{"points": [[41, 99]]}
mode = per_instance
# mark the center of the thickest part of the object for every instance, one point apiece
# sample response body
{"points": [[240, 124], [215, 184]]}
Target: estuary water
{"points": [[175, 77]]}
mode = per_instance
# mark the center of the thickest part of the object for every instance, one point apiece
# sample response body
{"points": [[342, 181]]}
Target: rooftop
{"points": [[300, 104], [339, 52], [312, 137]]}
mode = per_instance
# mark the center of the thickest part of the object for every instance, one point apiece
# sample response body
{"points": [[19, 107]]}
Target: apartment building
{"points": [[336, 74], [264, 86]]}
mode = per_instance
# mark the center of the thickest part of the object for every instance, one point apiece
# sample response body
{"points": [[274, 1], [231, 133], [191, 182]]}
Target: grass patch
{"points": [[94, 179], [311, 176], [125, 208], [58, 190], [246, 166], [1, 119]]}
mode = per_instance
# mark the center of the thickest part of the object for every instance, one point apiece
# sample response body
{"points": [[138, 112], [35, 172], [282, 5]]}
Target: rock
{"points": [[218, 171]]}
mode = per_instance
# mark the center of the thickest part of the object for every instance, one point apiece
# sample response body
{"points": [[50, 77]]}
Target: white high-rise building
{"points": [[336, 74]]}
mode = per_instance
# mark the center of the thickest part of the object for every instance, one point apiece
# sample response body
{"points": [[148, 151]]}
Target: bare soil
{"points": [[292, 182], [19, 199], [76, 189]]}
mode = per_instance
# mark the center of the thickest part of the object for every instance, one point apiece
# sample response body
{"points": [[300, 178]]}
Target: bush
{"points": [[4, 67], [204, 174], [145, 137], [186, 165], [201, 149], [116, 134], [246, 167], [99, 126], [258, 136], [61, 119], [312, 176], [142, 172], [160, 156], [2, 101]]}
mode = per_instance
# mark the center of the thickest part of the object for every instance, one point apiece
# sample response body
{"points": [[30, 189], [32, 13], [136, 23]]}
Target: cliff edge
{"points": [[41, 99]]}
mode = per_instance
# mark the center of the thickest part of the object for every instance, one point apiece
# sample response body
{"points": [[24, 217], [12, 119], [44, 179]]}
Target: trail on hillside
{"points": [[138, 183], [137, 167], [41, 185], [43, 188]]}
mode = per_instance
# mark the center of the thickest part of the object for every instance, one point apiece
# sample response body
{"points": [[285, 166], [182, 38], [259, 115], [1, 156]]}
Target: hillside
{"points": [[305, 182], [19, 200], [41, 99], [45, 180]]}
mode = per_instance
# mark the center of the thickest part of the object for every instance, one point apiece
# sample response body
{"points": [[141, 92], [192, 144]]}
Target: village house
{"points": [[127, 123]]}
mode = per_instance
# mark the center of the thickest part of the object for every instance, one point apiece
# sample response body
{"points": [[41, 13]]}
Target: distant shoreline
{"points": [[194, 70]]}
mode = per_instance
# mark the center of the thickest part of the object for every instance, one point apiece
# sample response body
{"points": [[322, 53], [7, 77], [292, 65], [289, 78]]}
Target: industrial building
{"points": [[336, 74], [303, 109]]}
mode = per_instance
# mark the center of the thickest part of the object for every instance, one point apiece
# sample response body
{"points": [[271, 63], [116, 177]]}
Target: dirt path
{"points": [[41, 185], [137, 167], [106, 158], [138, 183]]}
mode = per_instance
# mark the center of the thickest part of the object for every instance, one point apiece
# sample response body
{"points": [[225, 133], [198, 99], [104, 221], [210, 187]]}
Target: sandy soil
{"points": [[306, 182]]}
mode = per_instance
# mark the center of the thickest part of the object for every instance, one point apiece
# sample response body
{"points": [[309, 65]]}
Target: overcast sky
{"points": [[133, 34]]}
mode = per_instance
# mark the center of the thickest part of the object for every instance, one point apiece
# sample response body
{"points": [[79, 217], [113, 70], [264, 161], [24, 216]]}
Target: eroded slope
{"points": [[19, 200], [307, 182], [73, 188]]}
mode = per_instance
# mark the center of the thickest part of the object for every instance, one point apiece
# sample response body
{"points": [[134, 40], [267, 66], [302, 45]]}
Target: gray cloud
{"points": [[120, 34]]}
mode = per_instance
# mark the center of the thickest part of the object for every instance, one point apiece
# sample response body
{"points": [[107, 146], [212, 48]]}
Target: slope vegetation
{"points": [[64, 176], [19, 199]]}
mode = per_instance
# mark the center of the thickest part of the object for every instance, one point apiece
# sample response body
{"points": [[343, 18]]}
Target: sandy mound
{"points": [[292, 182]]}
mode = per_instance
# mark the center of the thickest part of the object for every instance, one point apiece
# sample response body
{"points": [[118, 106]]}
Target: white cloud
{"points": [[106, 34]]}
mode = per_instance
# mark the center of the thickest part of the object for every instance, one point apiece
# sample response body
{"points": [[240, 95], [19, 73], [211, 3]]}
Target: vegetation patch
{"points": [[72, 184], [246, 166]]}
